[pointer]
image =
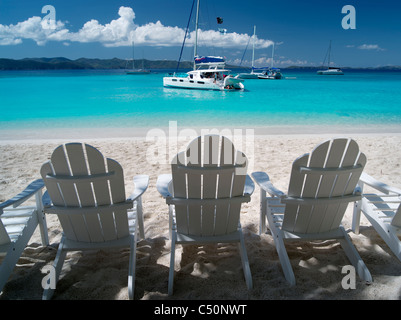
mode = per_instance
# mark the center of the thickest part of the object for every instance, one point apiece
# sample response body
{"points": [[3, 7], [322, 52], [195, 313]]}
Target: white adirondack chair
{"points": [[88, 195], [17, 225], [382, 209], [204, 194], [321, 186]]}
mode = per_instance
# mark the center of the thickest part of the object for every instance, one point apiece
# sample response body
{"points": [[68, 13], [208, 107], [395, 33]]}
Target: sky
{"points": [[367, 35]]}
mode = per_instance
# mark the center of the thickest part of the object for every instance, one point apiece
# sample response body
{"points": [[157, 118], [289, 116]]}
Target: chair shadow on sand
{"points": [[205, 271]]}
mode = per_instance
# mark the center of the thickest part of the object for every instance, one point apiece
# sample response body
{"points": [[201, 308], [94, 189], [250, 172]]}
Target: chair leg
{"points": [[354, 257], [58, 265], [284, 259], [245, 262], [262, 216], [132, 267], [139, 211], [394, 243], [8, 264], [172, 263], [356, 216], [170, 220], [41, 219]]}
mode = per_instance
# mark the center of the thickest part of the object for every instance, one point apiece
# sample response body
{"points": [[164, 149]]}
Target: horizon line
{"points": [[396, 67]]}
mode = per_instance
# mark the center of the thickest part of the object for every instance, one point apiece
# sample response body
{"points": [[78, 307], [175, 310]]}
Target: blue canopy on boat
{"points": [[209, 59]]}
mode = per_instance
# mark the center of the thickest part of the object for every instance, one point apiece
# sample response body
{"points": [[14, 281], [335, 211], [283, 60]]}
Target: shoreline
{"points": [[135, 133]]}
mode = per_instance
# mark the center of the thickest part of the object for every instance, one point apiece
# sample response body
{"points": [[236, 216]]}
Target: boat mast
{"points": [[328, 61], [133, 55], [253, 48], [272, 56], [196, 34]]}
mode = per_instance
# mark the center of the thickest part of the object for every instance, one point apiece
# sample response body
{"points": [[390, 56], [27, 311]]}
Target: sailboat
{"points": [[135, 71], [209, 72], [330, 70], [252, 74], [271, 73], [263, 73]]}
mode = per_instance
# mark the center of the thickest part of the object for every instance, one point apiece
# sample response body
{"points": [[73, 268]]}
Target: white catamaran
{"points": [[209, 73]]}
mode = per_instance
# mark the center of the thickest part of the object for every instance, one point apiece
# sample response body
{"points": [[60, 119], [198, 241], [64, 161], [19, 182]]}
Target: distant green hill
{"points": [[60, 63]]}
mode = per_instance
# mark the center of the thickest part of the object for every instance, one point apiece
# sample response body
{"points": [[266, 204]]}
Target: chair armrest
{"points": [[263, 180], [20, 198], [141, 184], [249, 186], [46, 201], [358, 190], [367, 179], [162, 184]]}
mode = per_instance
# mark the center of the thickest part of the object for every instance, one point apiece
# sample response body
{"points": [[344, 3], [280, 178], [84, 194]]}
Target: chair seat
{"points": [[383, 210], [17, 225], [227, 238], [15, 221], [383, 207]]}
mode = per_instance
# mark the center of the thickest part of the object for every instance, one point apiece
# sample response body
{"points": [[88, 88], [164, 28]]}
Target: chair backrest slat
{"points": [[224, 212], [210, 160], [180, 191], [194, 187], [90, 229], [295, 190], [69, 194]]}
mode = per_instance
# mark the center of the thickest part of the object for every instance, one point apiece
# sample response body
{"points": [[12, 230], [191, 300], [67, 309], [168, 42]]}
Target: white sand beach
{"points": [[208, 272]]}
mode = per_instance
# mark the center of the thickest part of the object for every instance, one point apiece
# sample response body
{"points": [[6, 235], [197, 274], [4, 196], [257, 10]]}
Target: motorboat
{"points": [[271, 74]]}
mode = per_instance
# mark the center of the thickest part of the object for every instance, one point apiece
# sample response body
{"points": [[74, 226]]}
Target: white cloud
{"points": [[33, 29], [156, 34], [291, 62], [120, 32], [370, 47], [116, 33]]}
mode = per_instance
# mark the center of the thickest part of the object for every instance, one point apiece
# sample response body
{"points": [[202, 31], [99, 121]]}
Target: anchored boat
{"points": [[209, 72]]}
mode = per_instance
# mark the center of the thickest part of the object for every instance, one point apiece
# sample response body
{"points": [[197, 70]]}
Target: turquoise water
{"points": [[68, 99]]}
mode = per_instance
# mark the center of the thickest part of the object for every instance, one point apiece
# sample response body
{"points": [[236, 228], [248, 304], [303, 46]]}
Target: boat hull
{"points": [[248, 76], [204, 84], [330, 72], [134, 72], [271, 77], [185, 83]]}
